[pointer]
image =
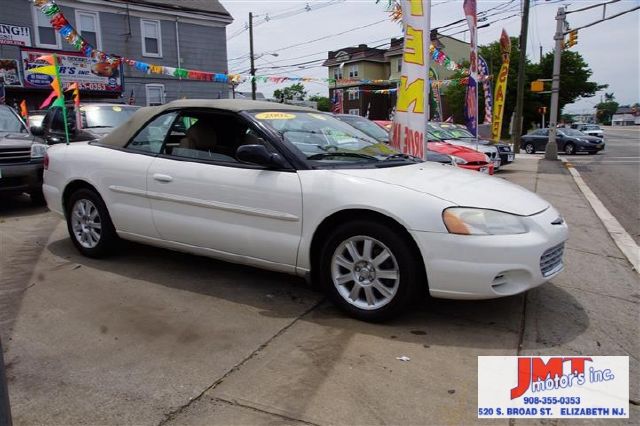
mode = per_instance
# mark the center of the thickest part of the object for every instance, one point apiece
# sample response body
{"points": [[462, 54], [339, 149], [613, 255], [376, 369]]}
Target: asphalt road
{"points": [[614, 176]]}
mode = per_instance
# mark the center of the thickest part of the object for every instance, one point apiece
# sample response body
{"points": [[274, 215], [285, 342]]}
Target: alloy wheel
{"points": [[86, 223], [365, 272]]}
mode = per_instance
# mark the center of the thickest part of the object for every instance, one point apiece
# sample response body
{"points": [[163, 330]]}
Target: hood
{"points": [[468, 154], [458, 186], [472, 145], [15, 139]]}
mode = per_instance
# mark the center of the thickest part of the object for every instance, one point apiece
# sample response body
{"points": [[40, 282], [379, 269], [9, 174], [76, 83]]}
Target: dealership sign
{"points": [[553, 387], [15, 35], [10, 72], [74, 67]]}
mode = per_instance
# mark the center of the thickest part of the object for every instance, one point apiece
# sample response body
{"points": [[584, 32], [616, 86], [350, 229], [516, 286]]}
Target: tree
{"points": [[324, 103], [606, 109], [574, 83], [295, 91], [566, 118]]}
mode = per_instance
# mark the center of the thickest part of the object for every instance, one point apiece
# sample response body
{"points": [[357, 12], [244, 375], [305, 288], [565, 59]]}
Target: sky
{"points": [[611, 48]]}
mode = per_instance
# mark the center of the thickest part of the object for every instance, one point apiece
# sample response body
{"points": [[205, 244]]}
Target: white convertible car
{"points": [[297, 191]]}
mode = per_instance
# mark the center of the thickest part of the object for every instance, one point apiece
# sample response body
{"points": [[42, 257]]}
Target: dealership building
{"points": [[188, 34]]}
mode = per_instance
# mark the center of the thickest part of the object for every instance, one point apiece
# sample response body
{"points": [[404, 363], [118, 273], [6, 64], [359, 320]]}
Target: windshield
{"points": [[368, 127], [105, 116], [440, 133], [324, 139], [9, 122], [591, 127], [572, 132], [460, 133]]}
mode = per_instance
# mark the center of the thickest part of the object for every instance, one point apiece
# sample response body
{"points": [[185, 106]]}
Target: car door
{"points": [[202, 197], [123, 177], [541, 136]]}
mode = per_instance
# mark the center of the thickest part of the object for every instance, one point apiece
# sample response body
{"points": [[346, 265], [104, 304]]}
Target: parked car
{"points": [[588, 129], [445, 135], [385, 124], [97, 120], [460, 132], [463, 157], [570, 141], [290, 189], [21, 157], [381, 134]]}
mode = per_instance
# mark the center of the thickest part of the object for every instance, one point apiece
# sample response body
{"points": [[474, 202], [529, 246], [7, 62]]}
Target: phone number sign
{"points": [[74, 67], [553, 387]]}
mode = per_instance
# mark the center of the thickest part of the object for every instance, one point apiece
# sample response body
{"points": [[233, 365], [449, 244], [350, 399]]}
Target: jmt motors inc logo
{"points": [[553, 387]]}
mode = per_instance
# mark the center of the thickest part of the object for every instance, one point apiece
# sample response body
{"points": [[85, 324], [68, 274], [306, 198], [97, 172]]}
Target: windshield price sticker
{"points": [[553, 387], [275, 116]]}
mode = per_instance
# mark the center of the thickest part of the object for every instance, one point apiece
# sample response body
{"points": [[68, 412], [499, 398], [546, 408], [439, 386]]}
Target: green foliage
{"points": [[574, 84], [567, 118], [295, 91], [324, 103]]}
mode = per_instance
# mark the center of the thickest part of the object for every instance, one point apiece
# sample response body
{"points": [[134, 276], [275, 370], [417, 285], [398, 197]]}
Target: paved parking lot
{"points": [[156, 337]]}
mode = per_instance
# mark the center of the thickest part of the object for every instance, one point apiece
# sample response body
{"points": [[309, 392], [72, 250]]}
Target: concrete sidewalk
{"points": [[156, 337]]}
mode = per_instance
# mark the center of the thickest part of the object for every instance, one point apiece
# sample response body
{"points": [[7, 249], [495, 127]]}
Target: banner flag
{"points": [[412, 108], [471, 103], [500, 94], [483, 70]]}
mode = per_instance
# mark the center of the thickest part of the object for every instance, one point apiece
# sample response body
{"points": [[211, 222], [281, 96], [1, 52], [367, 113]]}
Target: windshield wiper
{"points": [[403, 157], [323, 155]]}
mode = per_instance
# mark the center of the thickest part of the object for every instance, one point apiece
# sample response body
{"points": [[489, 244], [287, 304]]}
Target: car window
{"points": [[203, 135], [9, 122], [57, 121], [105, 116], [152, 136]]}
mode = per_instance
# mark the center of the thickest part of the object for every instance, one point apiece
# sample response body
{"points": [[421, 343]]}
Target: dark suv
{"points": [[98, 119], [21, 156]]}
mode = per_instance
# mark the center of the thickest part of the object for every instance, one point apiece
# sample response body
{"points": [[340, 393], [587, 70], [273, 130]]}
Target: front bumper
{"points": [[491, 266], [485, 168], [21, 177], [590, 147]]}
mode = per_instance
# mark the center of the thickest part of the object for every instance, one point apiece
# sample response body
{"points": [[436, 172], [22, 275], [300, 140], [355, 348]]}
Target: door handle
{"points": [[162, 178]]}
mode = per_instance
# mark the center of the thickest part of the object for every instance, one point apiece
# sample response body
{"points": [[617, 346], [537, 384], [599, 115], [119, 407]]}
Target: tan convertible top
{"points": [[121, 135]]}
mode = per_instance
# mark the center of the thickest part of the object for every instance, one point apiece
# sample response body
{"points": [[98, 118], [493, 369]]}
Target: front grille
{"points": [[504, 149], [14, 155], [551, 260]]}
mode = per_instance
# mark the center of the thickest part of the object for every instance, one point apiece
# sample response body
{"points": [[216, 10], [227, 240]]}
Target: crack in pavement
{"points": [[174, 413], [259, 410]]}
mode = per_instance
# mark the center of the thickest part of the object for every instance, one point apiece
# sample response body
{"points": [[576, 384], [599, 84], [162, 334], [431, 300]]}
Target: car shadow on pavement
{"points": [[19, 206], [441, 322]]}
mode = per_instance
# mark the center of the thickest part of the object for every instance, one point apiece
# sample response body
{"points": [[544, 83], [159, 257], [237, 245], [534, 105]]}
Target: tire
{"points": [[37, 197], [569, 148], [340, 273], [92, 233], [529, 148]]}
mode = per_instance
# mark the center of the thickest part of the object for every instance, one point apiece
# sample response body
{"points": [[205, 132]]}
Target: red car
{"points": [[385, 124], [464, 158]]}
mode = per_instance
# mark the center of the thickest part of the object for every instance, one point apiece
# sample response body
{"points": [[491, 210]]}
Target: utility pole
{"points": [[253, 65], [524, 29], [540, 53], [551, 151]]}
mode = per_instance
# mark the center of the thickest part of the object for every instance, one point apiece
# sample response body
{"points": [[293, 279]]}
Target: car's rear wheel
{"points": [[529, 148], [569, 149], [369, 270], [89, 224]]}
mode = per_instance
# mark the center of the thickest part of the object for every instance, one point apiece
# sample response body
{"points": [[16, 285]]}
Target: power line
{"points": [[603, 19], [591, 7]]}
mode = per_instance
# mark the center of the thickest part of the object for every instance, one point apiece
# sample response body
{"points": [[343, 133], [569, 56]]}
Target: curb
{"points": [[623, 240]]}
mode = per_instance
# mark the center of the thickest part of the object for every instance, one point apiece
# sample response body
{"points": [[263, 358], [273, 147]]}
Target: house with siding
{"points": [[189, 34]]}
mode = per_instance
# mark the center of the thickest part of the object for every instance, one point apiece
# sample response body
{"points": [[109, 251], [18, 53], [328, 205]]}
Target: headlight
{"points": [[470, 221], [38, 150], [458, 160]]}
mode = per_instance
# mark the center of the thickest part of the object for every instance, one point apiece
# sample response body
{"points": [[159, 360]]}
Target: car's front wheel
{"points": [[89, 224], [369, 270], [529, 148]]}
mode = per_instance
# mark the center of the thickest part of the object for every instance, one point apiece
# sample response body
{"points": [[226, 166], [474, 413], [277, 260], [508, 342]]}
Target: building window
{"points": [[354, 94], [354, 112], [337, 73], [151, 38], [353, 71], [46, 36], [88, 24], [155, 94], [399, 65]]}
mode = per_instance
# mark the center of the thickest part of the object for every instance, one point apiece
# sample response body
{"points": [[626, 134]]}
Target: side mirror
{"points": [[258, 154], [37, 130]]}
